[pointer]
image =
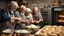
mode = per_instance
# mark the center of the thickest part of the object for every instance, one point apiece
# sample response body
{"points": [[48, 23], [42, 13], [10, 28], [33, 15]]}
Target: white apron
{"points": [[9, 24]]}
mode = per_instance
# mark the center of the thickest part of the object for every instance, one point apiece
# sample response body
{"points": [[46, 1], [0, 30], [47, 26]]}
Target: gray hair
{"points": [[36, 8], [22, 6], [12, 3]]}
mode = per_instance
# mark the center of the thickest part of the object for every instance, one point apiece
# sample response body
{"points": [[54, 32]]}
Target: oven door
{"points": [[58, 16]]}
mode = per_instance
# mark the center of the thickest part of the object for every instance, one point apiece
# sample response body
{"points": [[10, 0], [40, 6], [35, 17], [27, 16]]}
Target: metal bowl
{"points": [[22, 33], [32, 29], [7, 32]]}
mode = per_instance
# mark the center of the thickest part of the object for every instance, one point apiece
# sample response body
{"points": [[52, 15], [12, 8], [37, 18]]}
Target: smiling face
{"points": [[14, 8], [22, 9], [13, 5]]}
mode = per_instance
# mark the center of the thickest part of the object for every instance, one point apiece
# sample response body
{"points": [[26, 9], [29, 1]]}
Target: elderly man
{"points": [[21, 14], [8, 15]]}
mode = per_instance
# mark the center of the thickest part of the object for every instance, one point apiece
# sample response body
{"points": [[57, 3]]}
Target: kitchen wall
{"points": [[33, 3], [2, 4], [40, 3]]}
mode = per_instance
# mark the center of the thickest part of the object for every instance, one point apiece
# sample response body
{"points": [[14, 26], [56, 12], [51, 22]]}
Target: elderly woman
{"points": [[29, 15], [37, 17], [8, 15]]}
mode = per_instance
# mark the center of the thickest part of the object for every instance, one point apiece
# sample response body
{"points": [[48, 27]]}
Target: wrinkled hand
{"points": [[36, 21], [18, 19], [27, 22], [12, 19]]}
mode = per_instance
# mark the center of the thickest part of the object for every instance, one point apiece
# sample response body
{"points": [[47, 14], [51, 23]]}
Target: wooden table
{"points": [[32, 35]]}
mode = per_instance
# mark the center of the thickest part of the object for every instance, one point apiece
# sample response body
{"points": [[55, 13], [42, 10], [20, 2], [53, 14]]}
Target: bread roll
{"points": [[52, 31]]}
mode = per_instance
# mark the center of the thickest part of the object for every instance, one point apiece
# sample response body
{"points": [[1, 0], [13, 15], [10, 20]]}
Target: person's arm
{"points": [[4, 16], [41, 18], [17, 17], [17, 14], [31, 18]]}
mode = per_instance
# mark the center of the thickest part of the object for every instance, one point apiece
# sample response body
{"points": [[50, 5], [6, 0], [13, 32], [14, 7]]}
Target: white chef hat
{"points": [[28, 10]]}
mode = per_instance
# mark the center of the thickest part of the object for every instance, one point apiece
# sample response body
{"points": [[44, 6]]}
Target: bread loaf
{"points": [[52, 31]]}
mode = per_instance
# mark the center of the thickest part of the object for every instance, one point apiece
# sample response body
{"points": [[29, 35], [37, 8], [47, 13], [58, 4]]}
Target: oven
{"points": [[58, 15]]}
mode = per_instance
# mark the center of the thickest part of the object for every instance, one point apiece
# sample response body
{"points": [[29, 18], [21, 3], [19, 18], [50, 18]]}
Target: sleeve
{"points": [[31, 17], [17, 14], [40, 15], [4, 16]]}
